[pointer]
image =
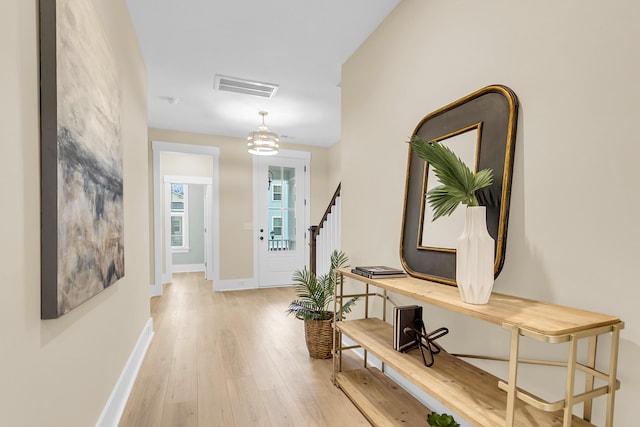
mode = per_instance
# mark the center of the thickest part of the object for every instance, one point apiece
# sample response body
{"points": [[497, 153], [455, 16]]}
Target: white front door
{"points": [[281, 222]]}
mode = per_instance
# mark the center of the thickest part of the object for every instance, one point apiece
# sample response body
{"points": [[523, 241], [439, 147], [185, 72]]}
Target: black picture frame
{"points": [[493, 111]]}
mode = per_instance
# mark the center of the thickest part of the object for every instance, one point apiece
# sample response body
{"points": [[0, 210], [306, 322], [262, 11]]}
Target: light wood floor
{"points": [[232, 359]]}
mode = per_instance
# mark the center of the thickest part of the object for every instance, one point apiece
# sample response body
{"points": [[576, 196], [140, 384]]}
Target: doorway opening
{"points": [[187, 224], [170, 226]]}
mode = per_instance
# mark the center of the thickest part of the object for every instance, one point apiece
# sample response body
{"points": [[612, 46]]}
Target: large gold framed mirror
{"points": [[481, 129]]}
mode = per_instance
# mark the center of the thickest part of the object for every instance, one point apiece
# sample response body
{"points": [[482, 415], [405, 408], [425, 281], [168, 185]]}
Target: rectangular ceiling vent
{"points": [[248, 87]]}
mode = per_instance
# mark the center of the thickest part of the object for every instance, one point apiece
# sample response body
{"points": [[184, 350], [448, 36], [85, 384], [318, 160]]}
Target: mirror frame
{"points": [[493, 110]]}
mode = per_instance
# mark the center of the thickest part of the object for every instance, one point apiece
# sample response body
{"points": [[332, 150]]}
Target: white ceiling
{"points": [[299, 45]]}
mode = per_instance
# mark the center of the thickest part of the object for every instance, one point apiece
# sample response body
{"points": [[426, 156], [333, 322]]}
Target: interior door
{"points": [[281, 222]]}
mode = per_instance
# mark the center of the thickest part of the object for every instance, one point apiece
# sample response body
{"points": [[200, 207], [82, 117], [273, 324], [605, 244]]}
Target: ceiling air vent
{"points": [[248, 87]]}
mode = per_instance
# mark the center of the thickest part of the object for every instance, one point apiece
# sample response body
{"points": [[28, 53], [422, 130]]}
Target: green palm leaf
{"points": [[315, 293], [459, 183]]}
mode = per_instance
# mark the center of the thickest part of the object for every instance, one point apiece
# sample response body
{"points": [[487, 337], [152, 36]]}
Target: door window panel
{"points": [[282, 214]]}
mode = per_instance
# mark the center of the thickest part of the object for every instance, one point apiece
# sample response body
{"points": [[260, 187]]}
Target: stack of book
{"points": [[378, 272], [408, 316]]}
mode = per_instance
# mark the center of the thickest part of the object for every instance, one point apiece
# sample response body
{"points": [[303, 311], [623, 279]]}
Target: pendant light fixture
{"points": [[263, 142]]}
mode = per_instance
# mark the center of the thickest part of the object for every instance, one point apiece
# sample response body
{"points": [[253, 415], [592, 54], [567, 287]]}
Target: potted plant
{"points": [[475, 249], [313, 306], [441, 420]]}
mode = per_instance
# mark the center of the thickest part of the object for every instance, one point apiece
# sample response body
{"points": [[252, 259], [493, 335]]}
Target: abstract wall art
{"points": [[82, 214]]}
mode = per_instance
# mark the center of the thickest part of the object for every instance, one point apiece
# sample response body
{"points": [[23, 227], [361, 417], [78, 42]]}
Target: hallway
{"points": [[232, 359]]}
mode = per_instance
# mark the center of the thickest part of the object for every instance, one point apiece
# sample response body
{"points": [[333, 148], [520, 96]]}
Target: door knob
{"points": [[261, 238]]}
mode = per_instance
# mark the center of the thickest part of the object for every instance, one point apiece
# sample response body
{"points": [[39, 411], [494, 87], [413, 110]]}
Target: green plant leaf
{"points": [[441, 420], [482, 179], [346, 308], [315, 293], [458, 183]]}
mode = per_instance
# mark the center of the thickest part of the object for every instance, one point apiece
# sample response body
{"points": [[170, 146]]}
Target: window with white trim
{"points": [[276, 194], [276, 225], [179, 218]]}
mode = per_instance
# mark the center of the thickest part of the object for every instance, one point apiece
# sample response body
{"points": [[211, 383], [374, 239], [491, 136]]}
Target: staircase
{"points": [[325, 237]]}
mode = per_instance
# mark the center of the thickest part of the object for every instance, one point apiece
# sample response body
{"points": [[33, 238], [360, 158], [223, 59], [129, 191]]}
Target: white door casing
{"points": [[189, 180], [213, 221]]}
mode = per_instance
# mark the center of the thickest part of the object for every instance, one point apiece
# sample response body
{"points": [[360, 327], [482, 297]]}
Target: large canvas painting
{"points": [[82, 212]]}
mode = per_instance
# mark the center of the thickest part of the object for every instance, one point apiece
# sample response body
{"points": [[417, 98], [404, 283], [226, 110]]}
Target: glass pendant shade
{"points": [[263, 142]]}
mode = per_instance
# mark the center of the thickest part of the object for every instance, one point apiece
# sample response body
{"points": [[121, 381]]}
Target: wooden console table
{"points": [[477, 396]]}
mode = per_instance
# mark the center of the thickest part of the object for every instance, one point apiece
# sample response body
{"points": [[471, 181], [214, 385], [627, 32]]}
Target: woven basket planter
{"points": [[319, 337]]}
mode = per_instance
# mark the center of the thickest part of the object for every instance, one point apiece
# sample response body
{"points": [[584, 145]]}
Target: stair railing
{"points": [[325, 237]]}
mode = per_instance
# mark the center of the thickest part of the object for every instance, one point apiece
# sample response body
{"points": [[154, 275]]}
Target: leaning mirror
{"points": [[481, 129]]}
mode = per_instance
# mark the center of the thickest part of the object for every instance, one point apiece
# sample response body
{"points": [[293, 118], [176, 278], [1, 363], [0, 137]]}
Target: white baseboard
{"points": [[187, 268], [234, 285], [166, 278], [112, 411], [424, 398], [155, 290], [241, 285]]}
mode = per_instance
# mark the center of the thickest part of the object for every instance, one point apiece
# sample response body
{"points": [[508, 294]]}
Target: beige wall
{"points": [[335, 165], [573, 232], [236, 194], [61, 372], [184, 164]]}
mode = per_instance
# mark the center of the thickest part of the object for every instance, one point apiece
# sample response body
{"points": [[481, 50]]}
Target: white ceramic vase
{"points": [[475, 258]]}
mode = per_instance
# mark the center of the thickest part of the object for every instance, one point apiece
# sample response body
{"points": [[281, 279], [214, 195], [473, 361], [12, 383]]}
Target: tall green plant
{"points": [[315, 294], [458, 183]]}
